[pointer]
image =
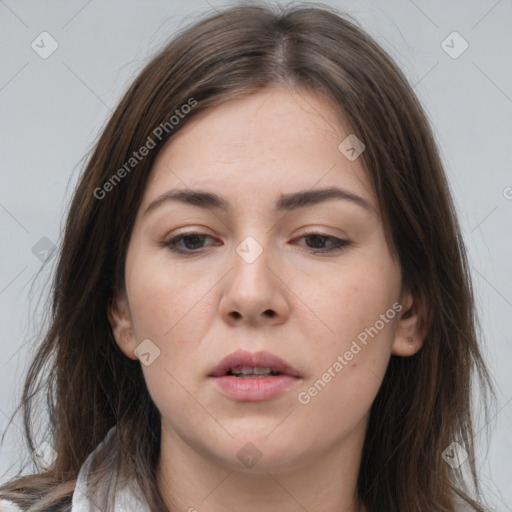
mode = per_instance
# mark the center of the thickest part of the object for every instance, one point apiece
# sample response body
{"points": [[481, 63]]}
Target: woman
{"points": [[262, 295]]}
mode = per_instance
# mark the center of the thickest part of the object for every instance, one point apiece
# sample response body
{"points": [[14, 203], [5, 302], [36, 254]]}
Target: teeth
{"points": [[261, 371], [248, 370]]}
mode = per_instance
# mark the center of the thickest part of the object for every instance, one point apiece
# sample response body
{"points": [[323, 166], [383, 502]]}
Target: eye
{"points": [[190, 243], [318, 239]]}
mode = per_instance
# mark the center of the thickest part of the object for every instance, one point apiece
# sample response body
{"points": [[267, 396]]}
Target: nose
{"points": [[255, 292]]}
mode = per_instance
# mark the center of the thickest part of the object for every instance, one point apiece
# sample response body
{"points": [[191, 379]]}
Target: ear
{"points": [[120, 320], [410, 332]]}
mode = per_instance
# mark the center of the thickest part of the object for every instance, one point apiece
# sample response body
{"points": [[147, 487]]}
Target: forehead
{"points": [[259, 146]]}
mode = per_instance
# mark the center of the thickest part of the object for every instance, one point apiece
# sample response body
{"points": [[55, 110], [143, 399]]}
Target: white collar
{"points": [[127, 498]]}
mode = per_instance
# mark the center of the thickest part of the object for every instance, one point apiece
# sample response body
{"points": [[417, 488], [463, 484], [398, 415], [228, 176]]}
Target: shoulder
{"points": [[9, 506]]}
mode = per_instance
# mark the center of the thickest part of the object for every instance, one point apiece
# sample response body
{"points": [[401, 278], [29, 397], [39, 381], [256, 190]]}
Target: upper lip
{"points": [[261, 359]]}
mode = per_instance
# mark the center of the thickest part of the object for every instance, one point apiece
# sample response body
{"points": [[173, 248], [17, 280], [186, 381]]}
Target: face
{"points": [[312, 283]]}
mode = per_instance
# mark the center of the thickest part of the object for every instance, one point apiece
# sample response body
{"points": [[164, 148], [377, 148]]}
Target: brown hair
{"points": [[423, 404]]}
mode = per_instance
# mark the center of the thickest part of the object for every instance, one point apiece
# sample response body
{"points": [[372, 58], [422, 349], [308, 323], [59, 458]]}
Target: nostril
{"points": [[269, 312]]}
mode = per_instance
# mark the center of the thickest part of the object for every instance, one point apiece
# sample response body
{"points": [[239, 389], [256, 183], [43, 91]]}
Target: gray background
{"points": [[52, 109]]}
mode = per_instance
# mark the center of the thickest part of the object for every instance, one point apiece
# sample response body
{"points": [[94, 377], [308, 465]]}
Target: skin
{"points": [[198, 308]]}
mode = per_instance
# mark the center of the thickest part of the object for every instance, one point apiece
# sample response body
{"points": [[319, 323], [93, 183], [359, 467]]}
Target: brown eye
{"points": [[318, 241], [191, 242]]}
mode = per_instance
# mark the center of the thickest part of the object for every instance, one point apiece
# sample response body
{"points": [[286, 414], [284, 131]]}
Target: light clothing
{"points": [[128, 498]]}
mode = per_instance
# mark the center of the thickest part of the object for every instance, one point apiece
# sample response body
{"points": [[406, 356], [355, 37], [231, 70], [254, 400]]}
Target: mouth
{"points": [[244, 364], [246, 376]]}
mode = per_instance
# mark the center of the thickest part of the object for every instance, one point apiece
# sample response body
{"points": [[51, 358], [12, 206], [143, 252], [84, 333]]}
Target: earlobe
{"points": [[409, 334], [120, 321]]}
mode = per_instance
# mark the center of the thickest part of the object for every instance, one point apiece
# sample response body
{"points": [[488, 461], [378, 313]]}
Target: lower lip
{"points": [[253, 389]]}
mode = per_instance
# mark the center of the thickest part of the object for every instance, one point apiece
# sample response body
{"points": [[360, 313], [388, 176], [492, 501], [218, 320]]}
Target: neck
{"points": [[192, 481]]}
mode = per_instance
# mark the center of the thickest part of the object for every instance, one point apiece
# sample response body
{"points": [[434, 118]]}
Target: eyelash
{"points": [[338, 243]]}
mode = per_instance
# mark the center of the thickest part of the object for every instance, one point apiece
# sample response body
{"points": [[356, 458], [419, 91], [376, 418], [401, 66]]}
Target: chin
{"points": [[261, 453]]}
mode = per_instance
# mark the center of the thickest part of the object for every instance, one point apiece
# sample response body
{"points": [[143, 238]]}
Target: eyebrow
{"points": [[286, 202]]}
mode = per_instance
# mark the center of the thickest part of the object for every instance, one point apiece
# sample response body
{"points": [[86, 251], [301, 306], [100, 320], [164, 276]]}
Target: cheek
{"points": [[165, 301], [168, 311], [361, 310], [346, 374], [173, 309], [352, 298]]}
